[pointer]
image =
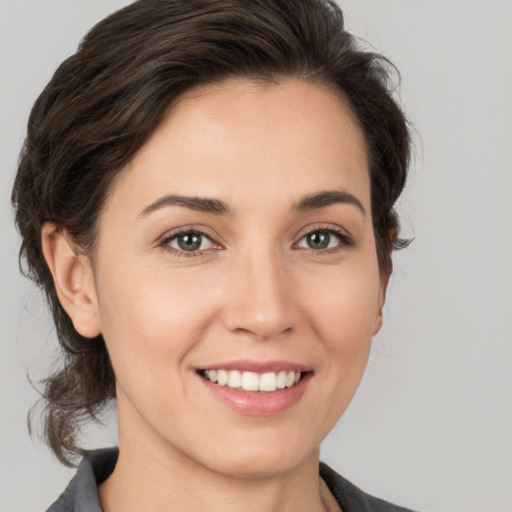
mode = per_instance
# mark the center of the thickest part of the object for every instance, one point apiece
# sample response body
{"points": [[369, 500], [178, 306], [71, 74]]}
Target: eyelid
{"points": [[163, 241], [346, 239]]}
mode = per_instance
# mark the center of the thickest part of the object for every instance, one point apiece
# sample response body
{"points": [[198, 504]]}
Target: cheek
{"points": [[344, 312], [149, 322]]}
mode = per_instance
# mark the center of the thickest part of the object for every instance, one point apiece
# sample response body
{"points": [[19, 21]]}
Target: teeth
{"points": [[268, 382], [222, 377], [252, 381], [234, 379], [281, 379]]}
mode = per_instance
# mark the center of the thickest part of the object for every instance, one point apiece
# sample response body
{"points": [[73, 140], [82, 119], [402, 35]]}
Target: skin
{"points": [[257, 290]]}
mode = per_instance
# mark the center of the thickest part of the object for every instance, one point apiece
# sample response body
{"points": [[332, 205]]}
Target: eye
{"points": [[324, 239], [191, 242]]}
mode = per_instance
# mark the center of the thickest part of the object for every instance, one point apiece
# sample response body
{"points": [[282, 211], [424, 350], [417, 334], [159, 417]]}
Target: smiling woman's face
{"points": [[238, 245]]}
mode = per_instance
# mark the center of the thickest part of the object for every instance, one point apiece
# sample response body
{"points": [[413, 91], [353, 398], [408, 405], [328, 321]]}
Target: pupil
{"points": [[189, 242], [319, 240]]}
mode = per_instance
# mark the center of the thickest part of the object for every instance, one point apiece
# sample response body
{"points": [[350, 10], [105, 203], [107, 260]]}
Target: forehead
{"points": [[260, 108], [240, 138]]}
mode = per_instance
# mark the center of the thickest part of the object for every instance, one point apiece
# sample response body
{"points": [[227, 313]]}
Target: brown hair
{"points": [[105, 101]]}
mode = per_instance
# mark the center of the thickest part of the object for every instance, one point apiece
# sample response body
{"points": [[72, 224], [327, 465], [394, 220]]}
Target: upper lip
{"points": [[248, 365]]}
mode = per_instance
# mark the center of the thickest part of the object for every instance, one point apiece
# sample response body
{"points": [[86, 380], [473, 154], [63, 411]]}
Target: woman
{"points": [[206, 196]]}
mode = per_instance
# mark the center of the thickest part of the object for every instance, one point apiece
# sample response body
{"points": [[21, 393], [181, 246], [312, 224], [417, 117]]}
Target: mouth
{"points": [[248, 381], [257, 388]]}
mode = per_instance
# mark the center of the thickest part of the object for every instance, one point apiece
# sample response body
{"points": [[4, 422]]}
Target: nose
{"points": [[258, 301]]}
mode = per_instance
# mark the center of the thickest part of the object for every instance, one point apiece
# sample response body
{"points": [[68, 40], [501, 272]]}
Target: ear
{"points": [[73, 278], [385, 274]]}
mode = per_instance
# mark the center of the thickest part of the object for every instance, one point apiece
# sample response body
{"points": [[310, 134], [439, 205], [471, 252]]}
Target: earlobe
{"points": [[384, 280], [73, 278], [378, 321]]}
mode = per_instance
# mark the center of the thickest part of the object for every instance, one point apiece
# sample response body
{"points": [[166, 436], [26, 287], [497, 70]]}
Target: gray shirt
{"points": [[81, 495]]}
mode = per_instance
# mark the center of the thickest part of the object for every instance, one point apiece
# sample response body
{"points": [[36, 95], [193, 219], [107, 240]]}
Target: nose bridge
{"points": [[259, 299]]}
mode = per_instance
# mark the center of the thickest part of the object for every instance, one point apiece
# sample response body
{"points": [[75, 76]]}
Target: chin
{"points": [[261, 456], [259, 465]]}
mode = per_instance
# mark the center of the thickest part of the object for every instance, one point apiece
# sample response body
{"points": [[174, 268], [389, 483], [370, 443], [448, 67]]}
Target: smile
{"points": [[252, 381], [257, 388]]}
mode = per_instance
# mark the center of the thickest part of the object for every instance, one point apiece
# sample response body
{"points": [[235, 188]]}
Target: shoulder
{"points": [[81, 495], [352, 499]]}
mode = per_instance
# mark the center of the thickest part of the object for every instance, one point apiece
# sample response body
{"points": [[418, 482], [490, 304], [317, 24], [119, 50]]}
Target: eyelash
{"points": [[345, 241], [165, 243]]}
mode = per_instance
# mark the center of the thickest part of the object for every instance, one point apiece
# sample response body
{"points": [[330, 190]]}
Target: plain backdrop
{"points": [[431, 424]]}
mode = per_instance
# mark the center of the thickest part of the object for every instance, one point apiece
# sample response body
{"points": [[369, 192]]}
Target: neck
{"points": [[153, 479]]}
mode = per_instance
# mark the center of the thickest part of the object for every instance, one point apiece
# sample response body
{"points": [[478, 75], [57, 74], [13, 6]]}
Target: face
{"points": [[238, 246]]}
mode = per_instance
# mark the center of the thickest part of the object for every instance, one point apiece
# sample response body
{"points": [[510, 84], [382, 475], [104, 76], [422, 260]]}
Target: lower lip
{"points": [[259, 403]]}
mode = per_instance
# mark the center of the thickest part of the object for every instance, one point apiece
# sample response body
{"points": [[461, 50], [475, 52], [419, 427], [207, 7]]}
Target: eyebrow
{"points": [[218, 207], [200, 204], [327, 198]]}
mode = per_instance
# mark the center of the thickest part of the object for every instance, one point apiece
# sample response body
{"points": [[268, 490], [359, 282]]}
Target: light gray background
{"points": [[431, 425]]}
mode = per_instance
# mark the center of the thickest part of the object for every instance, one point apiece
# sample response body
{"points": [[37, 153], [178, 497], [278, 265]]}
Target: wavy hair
{"points": [[105, 101]]}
